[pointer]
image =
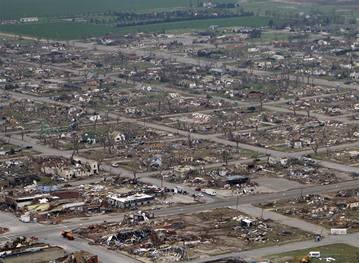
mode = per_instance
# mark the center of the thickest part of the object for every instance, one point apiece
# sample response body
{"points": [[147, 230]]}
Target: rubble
{"points": [[332, 210], [22, 249], [3, 230], [187, 236]]}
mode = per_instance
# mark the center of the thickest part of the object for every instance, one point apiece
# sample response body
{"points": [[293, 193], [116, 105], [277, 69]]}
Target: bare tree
{"points": [[75, 144], [268, 157], [315, 146], [189, 140], [237, 140], [225, 156], [99, 159], [307, 109], [109, 140]]}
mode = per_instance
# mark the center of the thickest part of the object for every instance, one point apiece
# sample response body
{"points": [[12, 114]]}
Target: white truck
{"points": [[210, 192], [314, 254]]}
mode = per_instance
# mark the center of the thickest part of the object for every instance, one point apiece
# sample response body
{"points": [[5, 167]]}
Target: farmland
{"points": [[64, 31], [15, 9], [12, 9], [68, 19]]}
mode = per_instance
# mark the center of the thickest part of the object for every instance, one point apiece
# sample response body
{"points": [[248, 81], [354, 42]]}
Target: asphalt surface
{"points": [[209, 137], [262, 253]]}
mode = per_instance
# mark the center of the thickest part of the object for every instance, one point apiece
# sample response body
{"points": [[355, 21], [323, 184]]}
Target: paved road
{"points": [[188, 60], [52, 234], [105, 255], [108, 256], [322, 117], [254, 211], [195, 61], [209, 137], [145, 177], [262, 253]]}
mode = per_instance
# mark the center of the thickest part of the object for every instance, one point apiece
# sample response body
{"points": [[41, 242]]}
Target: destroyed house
{"points": [[4, 183], [129, 201], [19, 202], [236, 179], [80, 257], [77, 169], [35, 254]]}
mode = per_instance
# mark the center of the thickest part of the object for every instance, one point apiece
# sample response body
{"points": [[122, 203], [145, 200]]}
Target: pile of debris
{"points": [[79, 257], [187, 236], [23, 249], [227, 260], [3, 230], [17, 242], [311, 175], [340, 210], [304, 170]]}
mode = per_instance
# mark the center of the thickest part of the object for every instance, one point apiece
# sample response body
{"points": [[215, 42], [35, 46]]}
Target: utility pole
{"points": [[162, 178], [237, 200], [301, 193]]}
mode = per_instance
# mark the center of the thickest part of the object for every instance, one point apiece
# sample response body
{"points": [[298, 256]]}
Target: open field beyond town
{"points": [[69, 30]]}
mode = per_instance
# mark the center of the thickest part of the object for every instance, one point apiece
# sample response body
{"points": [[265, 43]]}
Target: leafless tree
{"points": [[189, 140], [307, 109], [315, 146], [99, 159], [268, 157], [237, 140], [225, 156], [75, 144], [109, 139]]}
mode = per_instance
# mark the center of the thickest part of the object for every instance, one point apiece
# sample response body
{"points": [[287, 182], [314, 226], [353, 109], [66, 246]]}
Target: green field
{"points": [[283, 8], [65, 31], [14, 9], [51, 12], [10, 9], [340, 252], [57, 31]]}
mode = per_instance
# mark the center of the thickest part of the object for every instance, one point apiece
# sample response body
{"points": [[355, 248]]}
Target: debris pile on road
{"points": [[3, 230]]}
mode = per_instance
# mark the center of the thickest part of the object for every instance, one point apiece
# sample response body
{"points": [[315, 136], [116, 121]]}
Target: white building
{"points": [[129, 201], [29, 19]]}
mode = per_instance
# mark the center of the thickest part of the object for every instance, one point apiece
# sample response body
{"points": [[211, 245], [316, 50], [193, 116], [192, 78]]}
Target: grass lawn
{"points": [[67, 31], [341, 252], [57, 31], [273, 36]]}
